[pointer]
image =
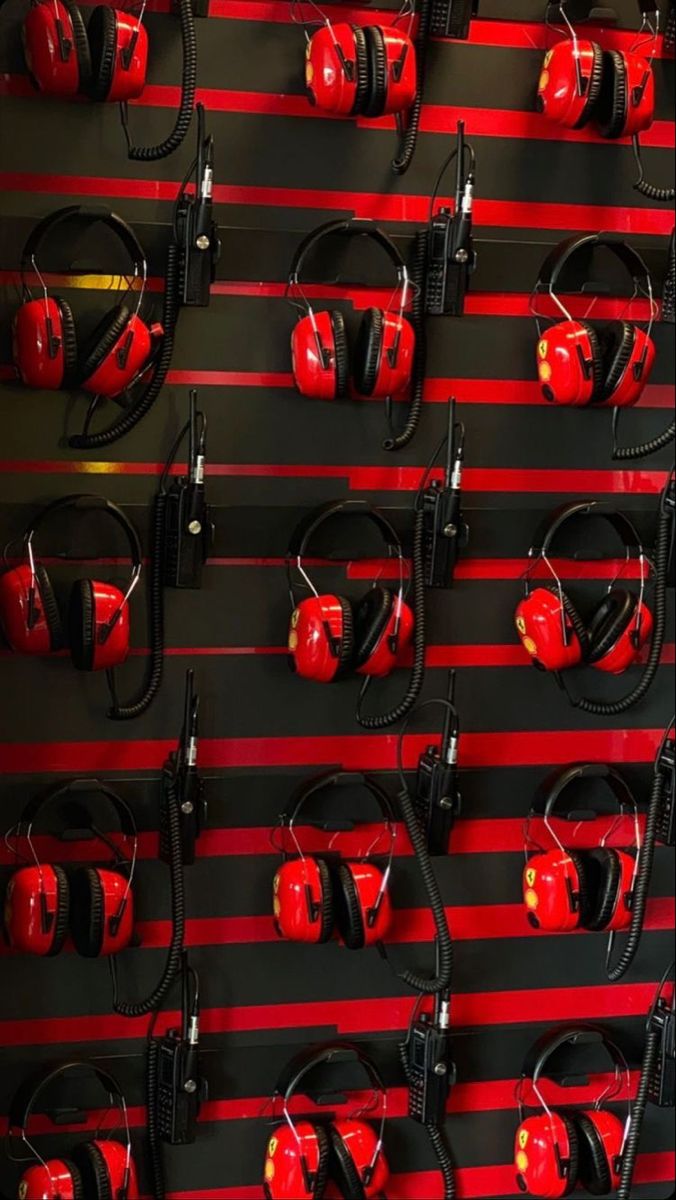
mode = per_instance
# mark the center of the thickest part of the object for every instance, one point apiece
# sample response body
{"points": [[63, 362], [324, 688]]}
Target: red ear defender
{"points": [[548, 632], [37, 910], [639, 80], [553, 891], [115, 368], [357, 1149], [368, 71], [38, 345], [119, 49], [296, 1163], [570, 82], [319, 356], [601, 1136], [52, 1180], [303, 901], [566, 359], [56, 48], [546, 1156], [320, 638]]}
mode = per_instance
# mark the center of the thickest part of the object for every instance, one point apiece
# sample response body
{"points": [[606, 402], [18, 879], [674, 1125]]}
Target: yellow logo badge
{"points": [[269, 1170], [532, 899], [523, 1138], [521, 625], [23, 1190], [522, 1161], [530, 646], [531, 876], [293, 640], [544, 372], [272, 1147], [295, 618], [544, 81], [543, 347], [548, 58]]}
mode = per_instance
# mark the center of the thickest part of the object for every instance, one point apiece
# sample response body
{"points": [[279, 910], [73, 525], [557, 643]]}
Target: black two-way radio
{"points": [[195, 228], [445, 531], [188, 529], [180, 1085], [430, 1070], [451, 257], [437, 800], [666, 766], [189, 785], [662, 1078], [451, 18]]}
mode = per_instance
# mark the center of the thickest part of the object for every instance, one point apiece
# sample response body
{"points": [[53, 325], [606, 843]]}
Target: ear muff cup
{"points": [[610, 113], [81, 625], [611, 618], [69, 341], [62, 919], [604, 873], [350, 918], [76, 1179], [377, 71], [328, 907], [345, 1173], [103, 337], [341, 352], [595, 82], [620, 340], [102, 41], [322, 1176], [87, 912], [50, 608], [576, 621], [370, 618], [574, 1144], [594, 1172], [362, 81], [81, 43], [368, 350], [580, 865], [94, 1172], [598, 373], [346, 653]]}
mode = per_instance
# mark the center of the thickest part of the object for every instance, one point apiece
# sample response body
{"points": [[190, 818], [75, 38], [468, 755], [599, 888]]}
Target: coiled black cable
{"points": [[154, 1150], [645, 449], [399, 440], [436, 1136], [442, 981], [188, 88], [174, 956], [155, 668], [409, 137], [131, 418], [661, 195], [418, 669]]}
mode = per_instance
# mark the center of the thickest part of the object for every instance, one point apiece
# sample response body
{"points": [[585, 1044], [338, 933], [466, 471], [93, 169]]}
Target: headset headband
{"points": [[24, 1101], [552, 788], [90, 215], [342, 779], [358, 508], [351, 227], [548, 530], [541, 1051], [87, 503], [300, 1066], [561, 255], [38, 804]]}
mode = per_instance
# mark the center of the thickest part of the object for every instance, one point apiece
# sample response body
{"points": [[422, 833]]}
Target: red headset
{"points": [[582, 889], [552, 631], [331, 636], [106, 59], [314, 898], [558, 1151], [303, 1156], [98, 1169], [381, 362], [364, 71], [97, 628], [583, 362], [44, 338], [581, 83], [95, 905]]}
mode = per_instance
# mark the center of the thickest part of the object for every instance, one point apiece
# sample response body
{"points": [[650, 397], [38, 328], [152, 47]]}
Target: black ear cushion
{"points": [[579, 862], [362, 80], [598, 370], [611, 108], [595, 82], [69, 341], [50, 607], [102, 42], [87, 912], [81, 42], [348, 908], [322, 1176], [328, 917], [574, 1142], [340, 343], [62, 921], [377, 71], [603, 879], [610, 619], [102, 340], [370, 618], [594, 1171], [617, 345], [81, 625], [94, 1171], [343, 1171], [78, 1186], [576, 621], [346, 658], [368, 350]]}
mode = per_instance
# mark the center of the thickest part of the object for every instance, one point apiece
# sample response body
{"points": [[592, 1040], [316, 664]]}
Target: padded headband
{"points": [[624, 528], [354, 227], [342, 779], [85, 502], [540, 1053], [561, 255], [25, 1099], [357, 508], [37, 805], [90, 215], [550, 791], [300, 1066]]}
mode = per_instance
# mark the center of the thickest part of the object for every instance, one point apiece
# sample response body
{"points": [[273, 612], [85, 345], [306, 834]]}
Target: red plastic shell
{"points": [[402, 70], [128, 82], [562, 354], [309, 646], [284, 1178], [627, 649], [326, 78], [116, 373], [53, 75], [113, 888], [31, 343], [621, 918], [361, 1141], [384, 659], [294, 883], [312, 378], [551, 886], [112, 652], [611, 1131], [538, 623], [535, 1156], [559, 95], [395, 362], [23, 909], [53, 1181], [14, 611], [115, 1156], [636, 373], [368, 880], [641, 93]]}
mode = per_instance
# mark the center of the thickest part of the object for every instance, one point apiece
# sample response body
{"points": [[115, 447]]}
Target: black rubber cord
{"points": [[131, 418], [647, 855], [643, 449], [638, 1113], [398, 441], [173, 964], [660, 195], [409, 137], [442, 981], [188, 87], [154, 1149], [418, 670]]}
